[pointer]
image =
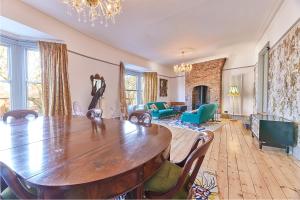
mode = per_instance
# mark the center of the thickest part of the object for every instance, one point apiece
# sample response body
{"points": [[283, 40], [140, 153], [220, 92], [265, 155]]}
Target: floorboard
{"points": [[243, 170]]}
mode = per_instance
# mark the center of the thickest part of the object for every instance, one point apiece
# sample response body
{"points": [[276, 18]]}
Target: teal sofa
{"points": [[161, 111], [204, 113]]}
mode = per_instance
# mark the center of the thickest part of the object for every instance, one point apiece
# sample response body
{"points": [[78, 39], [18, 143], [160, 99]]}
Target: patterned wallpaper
{"points": [[284, 76]]}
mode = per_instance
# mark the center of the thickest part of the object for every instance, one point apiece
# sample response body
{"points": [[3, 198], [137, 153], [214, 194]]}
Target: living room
{"points": [[110, 91]]}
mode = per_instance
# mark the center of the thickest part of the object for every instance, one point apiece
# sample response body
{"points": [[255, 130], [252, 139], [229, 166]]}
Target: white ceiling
{"points": [[159, 29], [8, 26]]}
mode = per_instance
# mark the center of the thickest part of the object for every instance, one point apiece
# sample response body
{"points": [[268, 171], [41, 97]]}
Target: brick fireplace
{"points": [[208, 74]]}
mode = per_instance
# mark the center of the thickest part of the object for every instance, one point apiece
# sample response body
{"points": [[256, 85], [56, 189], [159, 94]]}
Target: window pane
{"points": [[131, 82], [4, 97], [34, 95], [4, 71], [33, 66], [131, 98], [34, 86]]}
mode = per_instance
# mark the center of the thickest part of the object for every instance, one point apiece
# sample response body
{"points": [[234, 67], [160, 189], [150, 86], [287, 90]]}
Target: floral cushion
{"points": [[166, 105], [153, 107]]}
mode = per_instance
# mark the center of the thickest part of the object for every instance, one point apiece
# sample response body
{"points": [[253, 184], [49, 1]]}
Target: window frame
{"points": [[26, 74], [139, 89], [18, 69], [8, 46]]}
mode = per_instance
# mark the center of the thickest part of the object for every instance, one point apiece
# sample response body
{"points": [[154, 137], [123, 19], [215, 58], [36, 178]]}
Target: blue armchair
{"points": [[203, 114]]}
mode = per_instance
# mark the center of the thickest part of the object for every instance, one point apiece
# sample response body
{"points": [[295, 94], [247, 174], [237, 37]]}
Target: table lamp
{"points": [[233, 92]]}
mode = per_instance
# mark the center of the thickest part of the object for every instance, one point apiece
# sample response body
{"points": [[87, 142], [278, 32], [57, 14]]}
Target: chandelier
{"points": [[183, 67], [92, 10]]}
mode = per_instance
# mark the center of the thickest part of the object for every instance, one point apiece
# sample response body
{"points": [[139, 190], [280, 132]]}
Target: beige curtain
{"points": [[122, 95], [150, 87], [55, 80]]}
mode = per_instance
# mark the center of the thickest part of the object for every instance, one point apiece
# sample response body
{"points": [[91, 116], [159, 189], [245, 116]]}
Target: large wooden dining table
{"points": [[100, 158]]}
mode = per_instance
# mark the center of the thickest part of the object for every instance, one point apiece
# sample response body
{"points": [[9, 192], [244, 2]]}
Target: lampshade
{"points": [[234, 91]]}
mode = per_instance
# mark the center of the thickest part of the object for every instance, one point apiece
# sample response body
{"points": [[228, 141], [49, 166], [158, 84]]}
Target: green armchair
{"points": [[203, 114]]}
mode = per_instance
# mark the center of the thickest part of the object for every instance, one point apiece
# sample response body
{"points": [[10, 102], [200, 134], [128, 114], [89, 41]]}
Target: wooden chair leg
{"points": [[3, 185], [140, 191], [137, 193]]}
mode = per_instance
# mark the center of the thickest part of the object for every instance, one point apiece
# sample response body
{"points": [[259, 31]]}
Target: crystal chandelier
{"points": [[91, 10], [183, 67]]}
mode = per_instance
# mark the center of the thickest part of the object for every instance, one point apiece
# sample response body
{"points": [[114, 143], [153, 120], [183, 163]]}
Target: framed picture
{"points": [[163, 87]]}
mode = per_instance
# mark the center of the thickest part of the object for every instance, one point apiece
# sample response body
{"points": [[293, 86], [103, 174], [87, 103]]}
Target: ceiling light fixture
{"points": [[183, 67], [92, 10]]}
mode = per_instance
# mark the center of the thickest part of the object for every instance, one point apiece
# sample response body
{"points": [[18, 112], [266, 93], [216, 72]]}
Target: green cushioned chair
{"points": [[161, 111], [173, 181], [204, 113]]}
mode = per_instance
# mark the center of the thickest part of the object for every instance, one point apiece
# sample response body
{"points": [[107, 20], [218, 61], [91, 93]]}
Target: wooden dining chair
{"points": [[173, 180], [19, 114], [140, 117], [15, 189]]}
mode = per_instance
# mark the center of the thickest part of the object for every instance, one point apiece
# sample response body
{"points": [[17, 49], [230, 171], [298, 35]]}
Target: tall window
{"points": [[34, 81], [133, 88], [4, 80], [20, 75]]}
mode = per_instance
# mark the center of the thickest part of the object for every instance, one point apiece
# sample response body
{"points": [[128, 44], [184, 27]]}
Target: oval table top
{"points": [[65, 151]]}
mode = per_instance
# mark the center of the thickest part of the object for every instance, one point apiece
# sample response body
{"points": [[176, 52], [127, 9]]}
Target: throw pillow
{"points": [[153, 107], [166, 105]]}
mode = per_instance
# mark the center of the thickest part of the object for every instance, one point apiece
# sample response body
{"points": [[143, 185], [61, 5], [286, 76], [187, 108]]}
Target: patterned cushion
{"points": [[166, 105], [153, 107]]}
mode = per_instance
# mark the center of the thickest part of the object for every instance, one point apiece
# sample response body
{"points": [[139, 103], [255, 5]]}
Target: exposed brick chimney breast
{"points": [[209, 74]]}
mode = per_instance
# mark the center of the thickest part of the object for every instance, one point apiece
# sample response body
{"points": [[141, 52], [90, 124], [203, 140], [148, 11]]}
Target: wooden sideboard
{"points": [[273, 131]]}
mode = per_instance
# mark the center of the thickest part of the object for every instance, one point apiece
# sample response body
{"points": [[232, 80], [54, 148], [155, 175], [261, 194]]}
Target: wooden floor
{"points": [[243, 171]]}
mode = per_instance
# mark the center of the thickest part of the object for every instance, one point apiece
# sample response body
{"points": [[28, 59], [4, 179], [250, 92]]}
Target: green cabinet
{"points": [[273, 131]]}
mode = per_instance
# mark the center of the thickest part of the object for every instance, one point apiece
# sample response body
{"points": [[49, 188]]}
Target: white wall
{"points": [[285, 17], [246, 54], [244, 104], [80, 68]]}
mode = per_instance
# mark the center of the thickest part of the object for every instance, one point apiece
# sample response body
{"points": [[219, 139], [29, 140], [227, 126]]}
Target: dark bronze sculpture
{"points": [[98, 88]]}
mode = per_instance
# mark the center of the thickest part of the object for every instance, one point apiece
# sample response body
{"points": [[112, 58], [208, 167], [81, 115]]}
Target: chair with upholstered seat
{"points": [[16, 189], [19, 114], [173, 180]]}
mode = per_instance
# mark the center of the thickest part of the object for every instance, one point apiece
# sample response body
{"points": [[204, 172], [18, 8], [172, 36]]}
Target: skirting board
{"points": [[296, 152]]}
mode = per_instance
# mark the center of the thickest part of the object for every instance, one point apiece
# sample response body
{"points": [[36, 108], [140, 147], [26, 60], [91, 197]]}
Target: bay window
{"points": [[4, 79], [34, 80], [20, 75]]}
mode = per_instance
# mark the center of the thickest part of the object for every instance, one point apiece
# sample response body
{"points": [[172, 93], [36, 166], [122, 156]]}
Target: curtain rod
{"points": [[107, 62], [238, 68], [89, 57]]}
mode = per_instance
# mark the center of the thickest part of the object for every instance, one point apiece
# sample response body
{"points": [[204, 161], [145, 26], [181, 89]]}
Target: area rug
{"points": [[205, 186], [210, 126]]}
